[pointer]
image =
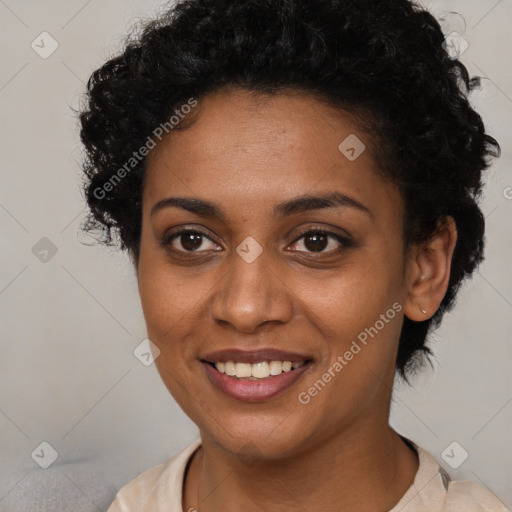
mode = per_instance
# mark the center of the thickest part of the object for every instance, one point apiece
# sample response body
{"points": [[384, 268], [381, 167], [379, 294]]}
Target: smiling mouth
{"points": [[256, 371], [255, 382]]}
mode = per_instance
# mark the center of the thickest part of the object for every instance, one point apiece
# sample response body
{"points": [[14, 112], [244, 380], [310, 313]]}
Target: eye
{"points": [[313, 241], [188, 240], [321, 241]]}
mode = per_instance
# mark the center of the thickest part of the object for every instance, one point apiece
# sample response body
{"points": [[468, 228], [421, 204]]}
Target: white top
{"points": [[160, 489]]}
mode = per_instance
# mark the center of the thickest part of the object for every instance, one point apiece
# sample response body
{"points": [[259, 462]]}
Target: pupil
{"points": [[315, 242], [191, 241]]}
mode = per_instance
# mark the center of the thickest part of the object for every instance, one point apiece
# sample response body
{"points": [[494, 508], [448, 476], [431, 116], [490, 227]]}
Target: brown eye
{"points": [[190, 241], [316, 242], [319, 241]]}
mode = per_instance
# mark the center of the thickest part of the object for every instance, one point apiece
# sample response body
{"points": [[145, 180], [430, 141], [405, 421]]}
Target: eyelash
{"points": [[343, 241]]}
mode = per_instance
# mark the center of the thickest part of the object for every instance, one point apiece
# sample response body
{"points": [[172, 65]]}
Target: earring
{"points": [[423, 310]]}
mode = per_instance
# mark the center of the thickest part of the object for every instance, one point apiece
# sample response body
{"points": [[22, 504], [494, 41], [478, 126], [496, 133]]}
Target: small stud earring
{"points": [[423, 310]]}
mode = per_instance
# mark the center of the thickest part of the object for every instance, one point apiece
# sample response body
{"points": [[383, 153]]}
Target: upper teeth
{"points": [[259, 370]]}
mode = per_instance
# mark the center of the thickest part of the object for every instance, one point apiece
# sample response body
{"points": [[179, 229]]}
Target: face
{"points": [[262, 242]]}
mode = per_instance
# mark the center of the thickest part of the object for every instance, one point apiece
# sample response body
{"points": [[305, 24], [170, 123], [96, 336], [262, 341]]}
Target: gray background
{"points": [[69, 325]]}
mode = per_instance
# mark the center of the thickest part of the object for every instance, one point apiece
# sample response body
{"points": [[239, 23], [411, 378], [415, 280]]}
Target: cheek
{"points": [[165, 305], [353, 298], [358, 313], [166, 297], [359, 356]]}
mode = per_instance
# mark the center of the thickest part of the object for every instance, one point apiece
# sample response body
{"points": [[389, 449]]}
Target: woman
{"points": [[296, 183]]}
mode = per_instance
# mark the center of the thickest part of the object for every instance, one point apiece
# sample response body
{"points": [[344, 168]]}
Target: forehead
{"points": [[240, 121], [248, 148]]}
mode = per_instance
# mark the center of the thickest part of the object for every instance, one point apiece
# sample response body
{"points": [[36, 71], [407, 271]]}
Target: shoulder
{"points": [[470, 496], [158, 488], [434, 491]]}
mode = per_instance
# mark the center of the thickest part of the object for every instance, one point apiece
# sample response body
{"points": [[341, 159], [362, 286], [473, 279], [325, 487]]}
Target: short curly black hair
{"points": [[383, 61]]}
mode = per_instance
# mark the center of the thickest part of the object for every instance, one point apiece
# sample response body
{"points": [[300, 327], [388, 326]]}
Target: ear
{"points": [[428, 272]]}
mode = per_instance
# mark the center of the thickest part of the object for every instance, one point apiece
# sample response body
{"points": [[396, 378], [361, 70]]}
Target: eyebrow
{"points": [[287, 208]]}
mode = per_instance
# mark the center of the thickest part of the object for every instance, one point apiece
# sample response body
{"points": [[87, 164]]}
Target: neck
{"points": [[368, 468]]}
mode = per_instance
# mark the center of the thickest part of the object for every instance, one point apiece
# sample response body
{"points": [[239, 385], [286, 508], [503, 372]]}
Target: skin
{"points": [[247, 153]]}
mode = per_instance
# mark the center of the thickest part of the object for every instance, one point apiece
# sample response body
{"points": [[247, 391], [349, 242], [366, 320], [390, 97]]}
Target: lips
{"points": [[250, 388]]}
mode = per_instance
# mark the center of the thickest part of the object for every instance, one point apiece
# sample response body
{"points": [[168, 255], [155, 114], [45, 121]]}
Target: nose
{"points": [[251, 295]]}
